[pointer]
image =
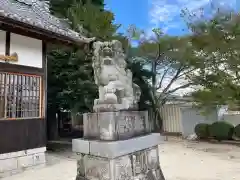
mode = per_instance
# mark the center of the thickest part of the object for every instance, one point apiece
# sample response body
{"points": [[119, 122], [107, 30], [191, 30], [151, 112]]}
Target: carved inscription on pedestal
{"points": [[130, 125], [126, 126], [140, 124]]}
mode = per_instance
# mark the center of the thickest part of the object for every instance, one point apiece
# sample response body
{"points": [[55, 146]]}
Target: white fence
{"points": [[171, 116]]}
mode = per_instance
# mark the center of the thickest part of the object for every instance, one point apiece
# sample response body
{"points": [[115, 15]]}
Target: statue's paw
{"points": [[110, 98]]}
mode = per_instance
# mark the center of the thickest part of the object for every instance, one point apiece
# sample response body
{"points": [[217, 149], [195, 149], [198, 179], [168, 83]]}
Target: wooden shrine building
{"points": [[25, 28]]}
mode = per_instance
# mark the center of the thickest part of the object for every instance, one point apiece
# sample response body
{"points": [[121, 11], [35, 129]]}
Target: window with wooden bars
{"points": [[20, 96]]}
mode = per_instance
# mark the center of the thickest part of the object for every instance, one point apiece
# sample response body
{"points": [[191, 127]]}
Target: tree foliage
{"points": [[217, 57], [71, 81], [173, 62], [92, 18], [170, 61], [60, 7]]}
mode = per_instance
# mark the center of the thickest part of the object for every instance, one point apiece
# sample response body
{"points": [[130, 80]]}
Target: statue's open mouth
{"points": [[107, 61]]}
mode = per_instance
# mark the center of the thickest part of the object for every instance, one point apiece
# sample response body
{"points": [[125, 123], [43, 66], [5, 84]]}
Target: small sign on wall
{"points": [[12, 58]]}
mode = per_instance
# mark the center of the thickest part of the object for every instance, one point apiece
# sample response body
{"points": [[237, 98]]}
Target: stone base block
{"points": [[16, 162], [111, 126], [140, 165], [114, 149]]}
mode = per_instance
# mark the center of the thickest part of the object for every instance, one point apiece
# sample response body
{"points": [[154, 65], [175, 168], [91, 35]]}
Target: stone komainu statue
{"points": [[114, 81]]}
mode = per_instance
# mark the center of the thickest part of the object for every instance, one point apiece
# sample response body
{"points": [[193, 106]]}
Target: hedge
{"points": [[237, 131], [202, 130], [221, 130]]}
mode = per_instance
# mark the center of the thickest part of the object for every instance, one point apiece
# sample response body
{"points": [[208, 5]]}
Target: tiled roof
{"points": [[36, 13]]}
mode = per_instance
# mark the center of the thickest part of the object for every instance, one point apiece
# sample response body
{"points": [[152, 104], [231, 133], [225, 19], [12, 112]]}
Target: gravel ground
{"points": [[199, 161], [180, 160]]}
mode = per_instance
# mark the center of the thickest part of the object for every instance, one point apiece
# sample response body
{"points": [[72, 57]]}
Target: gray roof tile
{"points": [[36, 13]]}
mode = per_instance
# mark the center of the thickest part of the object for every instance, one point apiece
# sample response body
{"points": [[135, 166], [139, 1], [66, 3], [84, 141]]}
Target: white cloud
{"points": [[164, 12]]}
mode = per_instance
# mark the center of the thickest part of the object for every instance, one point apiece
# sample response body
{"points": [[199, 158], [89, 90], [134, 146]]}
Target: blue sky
{"points": [[129, 12], [148, 14]]}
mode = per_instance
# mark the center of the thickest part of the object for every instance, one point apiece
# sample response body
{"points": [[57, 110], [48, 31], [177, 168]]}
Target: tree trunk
{"points": [[52, 124], [154, 69], [157, 121], [74, 118]]}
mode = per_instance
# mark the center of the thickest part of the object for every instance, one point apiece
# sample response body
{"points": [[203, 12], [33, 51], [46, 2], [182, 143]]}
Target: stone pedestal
{"points": [[118, 146]]}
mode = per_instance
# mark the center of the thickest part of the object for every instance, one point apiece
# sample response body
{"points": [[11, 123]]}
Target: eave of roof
{"points": [[33, 14]]}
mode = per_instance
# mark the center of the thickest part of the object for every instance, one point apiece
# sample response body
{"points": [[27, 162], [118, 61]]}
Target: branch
{"points": [[173, 80], [159, 52], [163, 76], [187, 72], [180, 87]]}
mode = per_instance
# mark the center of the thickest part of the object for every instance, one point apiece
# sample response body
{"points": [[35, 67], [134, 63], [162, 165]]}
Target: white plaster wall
{"points": [[2, 42], [221, 111], [29, 50], [234, 119], [192, 116]]}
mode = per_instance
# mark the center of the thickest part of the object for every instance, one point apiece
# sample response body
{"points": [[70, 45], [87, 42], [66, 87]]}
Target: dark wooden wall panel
{"points": [[17, 135]]}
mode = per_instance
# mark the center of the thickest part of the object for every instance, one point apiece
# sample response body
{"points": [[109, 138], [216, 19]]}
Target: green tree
{"points": [[60, 7], [217, 50], [93, 19], [170, 60]]}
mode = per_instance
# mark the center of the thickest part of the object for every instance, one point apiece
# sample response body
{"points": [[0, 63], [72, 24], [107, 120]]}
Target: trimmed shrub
{"points": [[221, 130], [202, 130], [237, 131]]}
